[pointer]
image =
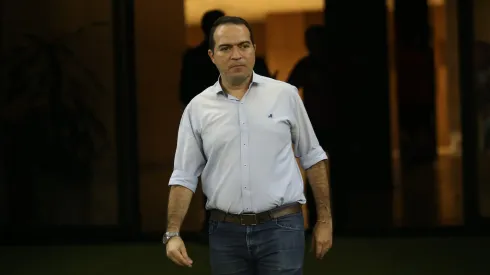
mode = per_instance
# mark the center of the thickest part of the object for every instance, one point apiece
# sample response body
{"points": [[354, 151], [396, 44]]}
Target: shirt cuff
{"points": [[180, 179], [313, 157]]}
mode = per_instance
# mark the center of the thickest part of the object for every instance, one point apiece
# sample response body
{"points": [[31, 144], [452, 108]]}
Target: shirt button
{"points": [[244, 165]]}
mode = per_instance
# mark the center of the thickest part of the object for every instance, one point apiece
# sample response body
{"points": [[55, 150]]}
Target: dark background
{"points": [[50, 136]]}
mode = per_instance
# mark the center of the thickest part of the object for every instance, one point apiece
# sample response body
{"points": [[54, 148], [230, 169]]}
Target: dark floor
{"points": [[400, 256]]}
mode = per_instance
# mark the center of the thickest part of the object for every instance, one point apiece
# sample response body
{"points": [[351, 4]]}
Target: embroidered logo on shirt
{"points": [[270, 116]]}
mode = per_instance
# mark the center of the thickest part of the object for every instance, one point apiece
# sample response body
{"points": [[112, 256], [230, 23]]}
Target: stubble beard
{"points": [[238, 80]]}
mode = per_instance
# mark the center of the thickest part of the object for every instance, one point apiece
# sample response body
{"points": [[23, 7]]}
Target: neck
{"points": [[231, 87]]}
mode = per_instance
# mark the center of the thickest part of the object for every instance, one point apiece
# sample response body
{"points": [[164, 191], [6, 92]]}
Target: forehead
{"points": [[231, 34]]}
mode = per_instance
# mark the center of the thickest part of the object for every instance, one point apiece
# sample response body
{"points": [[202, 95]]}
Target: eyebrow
{"points": [[239, 43]]}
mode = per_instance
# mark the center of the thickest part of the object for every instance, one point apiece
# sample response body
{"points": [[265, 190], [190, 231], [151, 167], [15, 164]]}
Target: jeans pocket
{"points": [[212, 226], [291, 222]]}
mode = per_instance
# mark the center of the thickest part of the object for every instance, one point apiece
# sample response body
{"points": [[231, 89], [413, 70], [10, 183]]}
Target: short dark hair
{"points": [[235, 20]]}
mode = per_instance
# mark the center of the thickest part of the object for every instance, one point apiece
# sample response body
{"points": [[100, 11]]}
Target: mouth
{"points": [[236, 66]]}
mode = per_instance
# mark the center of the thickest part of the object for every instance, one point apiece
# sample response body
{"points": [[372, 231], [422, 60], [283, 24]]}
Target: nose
{"points": [[235, 54]]}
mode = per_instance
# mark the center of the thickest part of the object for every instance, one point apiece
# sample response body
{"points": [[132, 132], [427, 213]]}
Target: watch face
{"points": [[168, 236]]}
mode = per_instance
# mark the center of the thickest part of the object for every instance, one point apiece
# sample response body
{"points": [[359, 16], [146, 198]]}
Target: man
{"points": [[198, 72], [237, 135]]}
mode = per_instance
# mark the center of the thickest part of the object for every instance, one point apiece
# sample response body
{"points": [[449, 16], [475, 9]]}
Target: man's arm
{"points": [[188, 165], [178, 204], [312, 157], [318, 179]]}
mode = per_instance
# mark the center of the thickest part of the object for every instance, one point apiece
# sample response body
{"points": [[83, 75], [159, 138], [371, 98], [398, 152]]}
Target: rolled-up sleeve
{"points": [[305, 143], [189, 157]]}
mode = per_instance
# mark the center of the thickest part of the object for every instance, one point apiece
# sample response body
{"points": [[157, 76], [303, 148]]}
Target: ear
{"points": [[211, 55]]}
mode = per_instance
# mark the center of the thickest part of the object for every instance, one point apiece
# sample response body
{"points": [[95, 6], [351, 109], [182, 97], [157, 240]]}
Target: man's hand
{"points": [[322, 238], [322, 233], [177, 253]]}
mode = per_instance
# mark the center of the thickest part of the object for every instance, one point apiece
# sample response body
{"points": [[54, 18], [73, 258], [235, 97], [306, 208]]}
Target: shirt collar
{"points": [[256, 79]]}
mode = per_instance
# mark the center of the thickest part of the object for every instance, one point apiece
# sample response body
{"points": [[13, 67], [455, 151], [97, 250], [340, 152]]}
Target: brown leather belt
{"points": [[255, 218]]}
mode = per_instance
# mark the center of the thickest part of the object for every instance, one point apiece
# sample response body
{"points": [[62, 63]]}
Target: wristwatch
{"points": [[168, 235]]}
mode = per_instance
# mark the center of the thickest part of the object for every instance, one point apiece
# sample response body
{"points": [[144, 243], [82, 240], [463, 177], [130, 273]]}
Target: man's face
{"points": [[234, 53]]}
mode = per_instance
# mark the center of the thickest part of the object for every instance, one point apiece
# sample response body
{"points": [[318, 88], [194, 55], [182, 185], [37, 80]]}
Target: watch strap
{"points": [[169, 235]]}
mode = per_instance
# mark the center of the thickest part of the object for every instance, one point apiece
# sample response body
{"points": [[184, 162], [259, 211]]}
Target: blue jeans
{"points": [[275, 247]]}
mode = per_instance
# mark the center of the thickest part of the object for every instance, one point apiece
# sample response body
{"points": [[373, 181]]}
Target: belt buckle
{"points": [[251, 214]]}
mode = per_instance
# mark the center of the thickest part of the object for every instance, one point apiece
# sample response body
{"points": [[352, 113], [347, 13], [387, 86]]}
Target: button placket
{"points": [[244, 137]]}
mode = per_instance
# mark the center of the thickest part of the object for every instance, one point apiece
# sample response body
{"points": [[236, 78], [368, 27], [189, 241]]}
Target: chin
{"points": [[238, 78]]}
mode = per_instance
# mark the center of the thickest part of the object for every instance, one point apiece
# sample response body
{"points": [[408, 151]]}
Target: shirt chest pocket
{"points": [[219, 133]]}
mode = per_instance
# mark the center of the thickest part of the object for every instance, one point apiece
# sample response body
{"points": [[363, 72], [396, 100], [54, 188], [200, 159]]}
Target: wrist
{"points": [[169, 235], [323, 213]]}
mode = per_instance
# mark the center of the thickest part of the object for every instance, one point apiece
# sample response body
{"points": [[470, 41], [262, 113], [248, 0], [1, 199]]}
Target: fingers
{"points": [[186, 257], [179, 256], [319, 250], [322, 248]]}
